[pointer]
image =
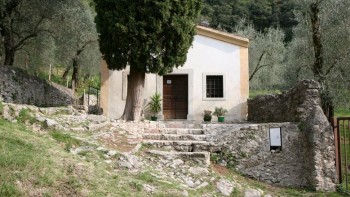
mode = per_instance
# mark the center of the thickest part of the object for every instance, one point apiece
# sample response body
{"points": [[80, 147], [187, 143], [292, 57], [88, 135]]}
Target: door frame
{"points": [[183, 80], [190, 82]]}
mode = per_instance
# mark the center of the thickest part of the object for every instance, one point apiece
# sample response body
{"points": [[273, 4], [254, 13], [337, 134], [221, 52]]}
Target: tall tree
{"points": [[71, 44], [77, 35], [266, 56], [21, 21], [320, 49], [152, 36]]}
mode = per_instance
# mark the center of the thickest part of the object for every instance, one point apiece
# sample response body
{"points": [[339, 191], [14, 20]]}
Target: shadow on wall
{"points": [[16, 86]]}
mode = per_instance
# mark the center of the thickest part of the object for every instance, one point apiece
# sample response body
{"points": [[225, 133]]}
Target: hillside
{"points": [[64, 152], [226, 14]]}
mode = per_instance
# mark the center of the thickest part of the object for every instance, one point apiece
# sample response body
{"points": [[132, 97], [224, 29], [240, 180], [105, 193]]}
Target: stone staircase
{"points": [[179, 140]]}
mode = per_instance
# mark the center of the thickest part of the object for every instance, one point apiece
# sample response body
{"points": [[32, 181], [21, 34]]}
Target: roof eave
{"points": [[222, 36]]}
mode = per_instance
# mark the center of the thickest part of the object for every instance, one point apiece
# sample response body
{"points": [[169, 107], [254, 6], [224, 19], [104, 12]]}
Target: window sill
{"points": [[214, 99]]}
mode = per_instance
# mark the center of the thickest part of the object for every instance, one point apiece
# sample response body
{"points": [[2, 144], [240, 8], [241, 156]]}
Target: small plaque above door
{"points": [[168, 82]]}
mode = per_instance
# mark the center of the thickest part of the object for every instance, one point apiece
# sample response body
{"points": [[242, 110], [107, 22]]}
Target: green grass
{"points": [[38, 165], [66, 139], [1, 107], [342, 112], [25, 116]]}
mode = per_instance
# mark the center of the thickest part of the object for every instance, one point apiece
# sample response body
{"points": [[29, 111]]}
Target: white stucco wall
{"points": [[206, 56]]}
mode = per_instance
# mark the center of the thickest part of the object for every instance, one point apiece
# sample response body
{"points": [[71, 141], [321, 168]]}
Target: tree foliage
{"points": [[266, 56], [37, 33], [21, 21], [262, 14], [319, 49], [151, 36]]}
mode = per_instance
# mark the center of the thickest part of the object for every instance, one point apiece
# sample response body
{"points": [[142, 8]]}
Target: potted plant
{"points": [[220, 113], [155, 105], [207, 116]]}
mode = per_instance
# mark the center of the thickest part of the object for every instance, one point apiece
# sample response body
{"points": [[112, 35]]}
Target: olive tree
{"points": [[266, 56], [320, 48], [151, 36], [22, 21]]}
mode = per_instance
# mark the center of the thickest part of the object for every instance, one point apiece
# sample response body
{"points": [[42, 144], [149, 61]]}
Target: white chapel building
{"points": [[216, 74]]}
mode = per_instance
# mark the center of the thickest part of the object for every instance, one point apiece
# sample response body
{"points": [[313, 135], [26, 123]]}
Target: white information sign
{"points": [[275, 137], [168, 82]]}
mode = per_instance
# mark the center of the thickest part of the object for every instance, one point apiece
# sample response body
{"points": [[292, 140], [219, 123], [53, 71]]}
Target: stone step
{"points": [[177, 131], [181, 146], [182, 124], [174, 137], [202, 158]]}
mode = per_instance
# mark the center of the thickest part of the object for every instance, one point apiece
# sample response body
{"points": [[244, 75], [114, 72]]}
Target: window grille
{"points": [[215, 86]]}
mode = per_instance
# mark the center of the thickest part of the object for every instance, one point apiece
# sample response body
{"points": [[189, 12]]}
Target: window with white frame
{"points": [[213, 86]]}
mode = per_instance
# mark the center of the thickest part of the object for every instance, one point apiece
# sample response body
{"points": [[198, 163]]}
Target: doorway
{"points": [[175, 96]]}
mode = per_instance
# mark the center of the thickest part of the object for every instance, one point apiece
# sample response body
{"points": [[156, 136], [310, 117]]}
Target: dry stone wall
{"points": [[308, 149], [247, 149], [18, 87], [290, 106]]}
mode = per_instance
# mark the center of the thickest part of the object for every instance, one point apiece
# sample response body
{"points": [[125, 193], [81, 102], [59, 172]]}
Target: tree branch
{"points": [[257, 66]]}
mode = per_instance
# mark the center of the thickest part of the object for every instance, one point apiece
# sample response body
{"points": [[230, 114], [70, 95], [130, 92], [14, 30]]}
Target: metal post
{"points": [[88, 104], [98, 97], [337, 148]]}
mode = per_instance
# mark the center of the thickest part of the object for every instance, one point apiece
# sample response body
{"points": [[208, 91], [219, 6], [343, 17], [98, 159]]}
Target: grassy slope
{"points": [[34, 164]]}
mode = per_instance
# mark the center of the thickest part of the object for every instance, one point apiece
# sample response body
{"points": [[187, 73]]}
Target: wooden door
{"points": [[175, 96]]}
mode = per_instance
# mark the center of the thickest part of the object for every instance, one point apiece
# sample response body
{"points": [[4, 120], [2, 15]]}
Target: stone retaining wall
{"points": [[16, 86], [308, 149], [290, 106], [247, 149]]}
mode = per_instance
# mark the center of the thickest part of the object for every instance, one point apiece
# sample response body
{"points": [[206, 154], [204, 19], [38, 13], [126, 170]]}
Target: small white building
{"points": [[215, 75]]}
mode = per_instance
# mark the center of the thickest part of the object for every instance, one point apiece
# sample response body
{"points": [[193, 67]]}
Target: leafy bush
{"points": [[155, 105], [226, 157], [207, 115], [220, 111]]}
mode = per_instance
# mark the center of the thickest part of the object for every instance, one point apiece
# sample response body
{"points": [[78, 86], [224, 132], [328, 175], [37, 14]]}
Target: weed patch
{"points": [[25, 116], [15, 153], [66, 139], [1, 108], [225, 157], [136, 186], [9, 189], [147, 177]]}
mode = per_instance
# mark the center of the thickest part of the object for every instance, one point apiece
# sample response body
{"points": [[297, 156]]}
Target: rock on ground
{"points": [[225, 187]]}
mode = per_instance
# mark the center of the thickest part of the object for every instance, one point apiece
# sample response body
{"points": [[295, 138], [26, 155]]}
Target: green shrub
{"points": [[225, 155], [220, 111]]}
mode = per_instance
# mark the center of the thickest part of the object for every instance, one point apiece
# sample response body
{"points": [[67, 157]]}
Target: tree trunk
{"points": [[9, 57], [75, 74], [134, 98], [66, 72], [317, 68], [9, 45]]}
